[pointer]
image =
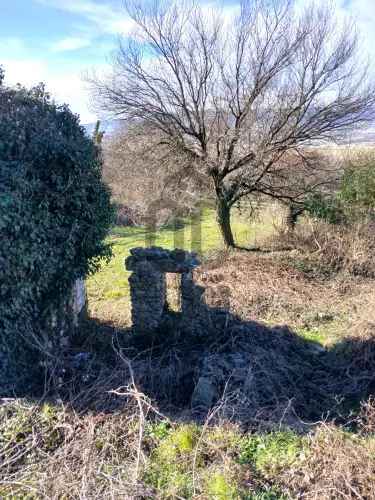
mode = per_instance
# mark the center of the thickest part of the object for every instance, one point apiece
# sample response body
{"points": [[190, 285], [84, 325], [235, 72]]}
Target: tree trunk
{"points": [[292, 217], [223, 219]]}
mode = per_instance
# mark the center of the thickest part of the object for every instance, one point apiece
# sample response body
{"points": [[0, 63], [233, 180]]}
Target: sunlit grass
{"points": [[109, 287]]}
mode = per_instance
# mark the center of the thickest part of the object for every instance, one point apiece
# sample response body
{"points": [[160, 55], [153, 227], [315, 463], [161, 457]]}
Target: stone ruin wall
{"points": [[148, 286]]}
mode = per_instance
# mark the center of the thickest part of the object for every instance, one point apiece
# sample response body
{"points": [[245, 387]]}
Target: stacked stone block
{"points": [[148, 285]]}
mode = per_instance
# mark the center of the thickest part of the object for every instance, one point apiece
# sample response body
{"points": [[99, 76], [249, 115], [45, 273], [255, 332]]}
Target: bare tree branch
{"points": [[243, 98]]}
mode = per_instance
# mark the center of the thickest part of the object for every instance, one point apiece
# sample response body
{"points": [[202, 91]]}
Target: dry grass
{"points": [[285, 288], [332, 249], [366, 418], [49, 451], [338, 465], [55, 453]]}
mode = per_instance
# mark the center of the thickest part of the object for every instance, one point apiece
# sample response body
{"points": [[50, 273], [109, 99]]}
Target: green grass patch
{"points": [[316, 335], [169, 468], [110, 284], [214, 464], [325, 335], [269, 453], [220, 487]]}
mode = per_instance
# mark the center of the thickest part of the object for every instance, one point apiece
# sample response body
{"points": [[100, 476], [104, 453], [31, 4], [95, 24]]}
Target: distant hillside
{"points": [[109, 126], [365, 136]]}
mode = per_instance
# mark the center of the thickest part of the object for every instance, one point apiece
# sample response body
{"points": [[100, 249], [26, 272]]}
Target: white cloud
{"points": [[25, 71], [363, 14], [70, 44], [105, 17], [64, 87]]}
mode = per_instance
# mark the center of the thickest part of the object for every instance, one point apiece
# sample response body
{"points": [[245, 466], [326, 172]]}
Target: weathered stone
{"points": [[205, 394], [166, 261], [148, 285], [217, 372], [148, 292]]}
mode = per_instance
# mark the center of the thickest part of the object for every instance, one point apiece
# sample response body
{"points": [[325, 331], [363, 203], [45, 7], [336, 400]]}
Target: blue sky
{"points": [[56, 41]]}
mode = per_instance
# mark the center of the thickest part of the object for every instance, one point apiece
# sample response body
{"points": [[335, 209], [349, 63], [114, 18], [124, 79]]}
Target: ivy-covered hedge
{"points": [[55, 212]]}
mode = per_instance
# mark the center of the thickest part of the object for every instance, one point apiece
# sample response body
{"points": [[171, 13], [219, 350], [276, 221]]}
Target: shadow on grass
{"points": [[166, 228], [244, 371], [262, 378]]}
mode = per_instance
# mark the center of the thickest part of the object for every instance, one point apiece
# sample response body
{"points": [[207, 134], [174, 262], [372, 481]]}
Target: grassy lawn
{"points": [[108, 290]]}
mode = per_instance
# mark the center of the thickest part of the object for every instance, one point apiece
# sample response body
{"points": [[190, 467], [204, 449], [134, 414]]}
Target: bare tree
{"points": [[245, 98]]}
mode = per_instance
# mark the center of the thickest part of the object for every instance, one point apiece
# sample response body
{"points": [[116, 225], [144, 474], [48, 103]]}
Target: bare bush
{"points": [[127, 216], [337, 466], [146, 176], [366, 418], [333, 247]]}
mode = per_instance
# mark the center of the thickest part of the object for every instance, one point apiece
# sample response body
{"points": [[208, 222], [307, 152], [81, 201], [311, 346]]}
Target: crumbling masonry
{"points": [[148, 286]]}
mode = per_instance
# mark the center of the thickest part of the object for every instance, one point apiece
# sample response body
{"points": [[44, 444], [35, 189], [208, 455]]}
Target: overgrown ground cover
{"points": [[50, 452], [95, 443]]}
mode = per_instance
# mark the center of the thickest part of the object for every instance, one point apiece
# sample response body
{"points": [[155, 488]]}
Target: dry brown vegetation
{"points": [[306, 432], [295, 420], [287, 354], [338, 466], [326, 280], [148, 179], [241, 98]]}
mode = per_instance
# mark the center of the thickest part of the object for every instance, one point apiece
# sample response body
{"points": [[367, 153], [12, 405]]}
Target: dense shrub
{"points": [[354, 200], [326, 208], [332, 248], [358, 187], [55, 212]]}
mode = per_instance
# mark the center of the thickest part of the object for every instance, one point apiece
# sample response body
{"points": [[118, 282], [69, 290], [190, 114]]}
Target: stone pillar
{"points": [[148, 296]]}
